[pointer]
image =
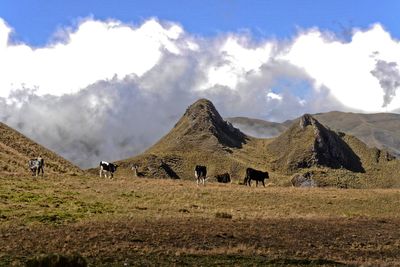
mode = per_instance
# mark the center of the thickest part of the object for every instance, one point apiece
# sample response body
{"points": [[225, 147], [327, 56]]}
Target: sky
{"points": [[106, 79]]}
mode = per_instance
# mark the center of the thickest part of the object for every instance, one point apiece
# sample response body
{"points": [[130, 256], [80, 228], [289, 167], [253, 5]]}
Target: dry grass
{"points": [[162, 220], [16, 150], [31, 200]]}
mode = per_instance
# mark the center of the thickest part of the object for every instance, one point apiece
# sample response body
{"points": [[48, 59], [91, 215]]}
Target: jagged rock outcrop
{"points": [[204, 117], [303, 180]]}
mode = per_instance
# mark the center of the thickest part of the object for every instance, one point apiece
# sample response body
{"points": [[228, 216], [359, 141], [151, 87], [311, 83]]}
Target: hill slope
{"points": [[201, 136], [308, 143], [381, 130], [16, 149], [201, 125]]}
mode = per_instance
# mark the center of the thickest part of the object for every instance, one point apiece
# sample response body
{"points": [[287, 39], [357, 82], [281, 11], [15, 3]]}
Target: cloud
{"points": [[108, 90], [345, 67], [389, 78], [96, 50]]}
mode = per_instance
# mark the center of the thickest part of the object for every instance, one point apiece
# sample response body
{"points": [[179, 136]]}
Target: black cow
{"points": [[107, 168], [200, 172], [223, 178], [36, 165], [258, 176]]}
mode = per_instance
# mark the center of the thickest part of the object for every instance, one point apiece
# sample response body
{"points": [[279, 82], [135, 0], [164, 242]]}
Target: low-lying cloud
{"points": [[137, 81]]}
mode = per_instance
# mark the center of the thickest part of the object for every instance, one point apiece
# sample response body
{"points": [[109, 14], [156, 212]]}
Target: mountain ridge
{"points": [[381, 130], [202, 137]]}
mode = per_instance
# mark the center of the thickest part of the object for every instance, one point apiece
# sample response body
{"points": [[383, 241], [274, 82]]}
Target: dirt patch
{"points": [[208, 241]]}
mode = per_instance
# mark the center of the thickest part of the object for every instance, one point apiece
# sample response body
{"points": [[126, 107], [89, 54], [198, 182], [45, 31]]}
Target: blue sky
{"points": [[34, 21]]}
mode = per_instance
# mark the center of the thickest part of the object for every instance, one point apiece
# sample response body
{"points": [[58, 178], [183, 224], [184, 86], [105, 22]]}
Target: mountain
{"points": [[202, 137], [381, 130], [308, 143], [17, 149], [203, 126]]}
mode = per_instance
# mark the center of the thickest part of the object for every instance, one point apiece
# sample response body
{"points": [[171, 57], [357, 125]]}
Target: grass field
{"points": [[135, 221]]}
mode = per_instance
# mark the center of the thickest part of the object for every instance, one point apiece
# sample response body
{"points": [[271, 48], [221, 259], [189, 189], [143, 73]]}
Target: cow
{"points": [[107, 168], [258, 176], [200, 173], [134, 168], [223, 178], [36, 166]]}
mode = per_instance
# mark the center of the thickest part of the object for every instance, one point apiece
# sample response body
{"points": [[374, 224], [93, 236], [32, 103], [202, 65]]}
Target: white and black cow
{"points": [[107, 168], [36, 166], [200, 173], [223, 178], [258, 176]]}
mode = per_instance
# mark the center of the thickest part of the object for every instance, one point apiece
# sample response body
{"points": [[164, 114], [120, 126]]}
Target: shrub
{"points": [[223, 215]]}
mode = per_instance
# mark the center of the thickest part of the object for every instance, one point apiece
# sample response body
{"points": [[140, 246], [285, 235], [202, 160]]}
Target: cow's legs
{"points": [[263, 183], [101, 171]]}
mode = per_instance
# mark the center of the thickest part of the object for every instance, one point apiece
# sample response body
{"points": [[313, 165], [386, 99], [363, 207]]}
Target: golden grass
{"points": [[16, 150], [70, 199], [151, 219]]}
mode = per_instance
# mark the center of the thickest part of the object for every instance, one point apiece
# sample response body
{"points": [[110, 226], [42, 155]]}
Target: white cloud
{"points": [[95, 51], [107, 90], [345, 67], [273, 96], [235, 60]]}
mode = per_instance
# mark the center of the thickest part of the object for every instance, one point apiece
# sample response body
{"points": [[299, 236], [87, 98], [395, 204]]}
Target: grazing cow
{"points": [[107, 168], [258, 176], [36, 165], [223, 178], [200, 172]]}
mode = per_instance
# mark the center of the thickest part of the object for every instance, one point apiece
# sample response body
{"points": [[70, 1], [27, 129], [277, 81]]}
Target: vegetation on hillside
{"points": [[202, 137], [16, 150]]}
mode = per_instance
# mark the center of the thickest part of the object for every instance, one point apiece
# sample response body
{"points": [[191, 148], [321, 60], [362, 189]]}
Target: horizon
{"points": [[130, 69]]}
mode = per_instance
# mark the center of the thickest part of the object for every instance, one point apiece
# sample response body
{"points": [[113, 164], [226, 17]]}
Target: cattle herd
{"points": [[200, 172]]}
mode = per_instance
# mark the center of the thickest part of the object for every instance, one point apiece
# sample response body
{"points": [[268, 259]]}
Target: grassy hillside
{"points": [[381, 130], [202, 137], [16, 149]]}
